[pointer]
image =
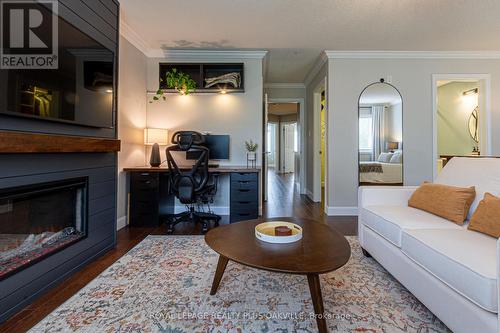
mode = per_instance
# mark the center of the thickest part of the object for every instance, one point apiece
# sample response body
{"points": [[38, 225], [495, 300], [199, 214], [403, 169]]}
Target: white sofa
{"points": [[454, 272]]}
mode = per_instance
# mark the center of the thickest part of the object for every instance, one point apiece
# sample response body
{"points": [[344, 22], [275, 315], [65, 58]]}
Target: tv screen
{"points": [[79, 90]]}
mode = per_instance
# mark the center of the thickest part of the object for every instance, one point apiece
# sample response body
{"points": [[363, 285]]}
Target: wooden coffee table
{"points": [[321, 250]]}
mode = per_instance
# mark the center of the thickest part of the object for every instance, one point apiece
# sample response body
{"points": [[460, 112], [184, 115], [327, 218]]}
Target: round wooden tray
{"points": [[265, 232]]}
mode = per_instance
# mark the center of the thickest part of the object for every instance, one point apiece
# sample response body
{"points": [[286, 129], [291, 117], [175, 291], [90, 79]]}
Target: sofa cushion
{"points": [[450, 202], [486, 218], [389, 221], [482, 173], [462, 259]]}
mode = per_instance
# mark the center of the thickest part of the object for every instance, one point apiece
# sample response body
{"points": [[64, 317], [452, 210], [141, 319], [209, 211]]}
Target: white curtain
{"points": [[378, 130]]}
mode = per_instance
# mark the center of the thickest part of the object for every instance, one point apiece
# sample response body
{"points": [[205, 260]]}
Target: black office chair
{"points": [[191, 186]]}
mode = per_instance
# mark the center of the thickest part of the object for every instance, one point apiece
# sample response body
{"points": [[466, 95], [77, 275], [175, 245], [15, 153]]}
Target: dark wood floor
{"points": [[283, 201]]}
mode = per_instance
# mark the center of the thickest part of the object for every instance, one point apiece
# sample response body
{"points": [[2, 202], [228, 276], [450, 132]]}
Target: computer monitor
{"points": [[218, 146]]}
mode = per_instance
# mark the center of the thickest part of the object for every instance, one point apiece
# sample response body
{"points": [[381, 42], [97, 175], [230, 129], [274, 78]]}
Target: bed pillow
{"points": [[449, 202], [486, 217], [397, 158], [384, 157]]}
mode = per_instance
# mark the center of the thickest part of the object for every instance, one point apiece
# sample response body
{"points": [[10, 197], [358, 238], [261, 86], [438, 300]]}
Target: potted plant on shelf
{"points": [[174, 79], [251, 152]]}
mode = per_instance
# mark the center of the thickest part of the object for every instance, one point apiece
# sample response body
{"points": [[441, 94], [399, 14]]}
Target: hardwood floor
{"points": [[283, 201]]}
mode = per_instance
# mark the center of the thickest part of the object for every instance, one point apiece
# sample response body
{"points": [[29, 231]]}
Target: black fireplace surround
{"points": [[38, 220], [57, 210]]}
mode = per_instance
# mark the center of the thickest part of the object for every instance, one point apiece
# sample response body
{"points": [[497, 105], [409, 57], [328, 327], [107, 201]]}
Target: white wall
{"points": [[238, 114], [284, 92], [453, 118], [413, 78], [131, 118]]}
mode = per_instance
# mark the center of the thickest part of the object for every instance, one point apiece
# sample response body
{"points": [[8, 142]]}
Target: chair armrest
{"points": [[384, 195]]}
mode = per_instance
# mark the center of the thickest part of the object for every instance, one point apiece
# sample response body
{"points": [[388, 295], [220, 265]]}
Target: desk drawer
{"points": [[244, 177], [144, 180], [244, 195], [243, 216], [244, 186], [244, 210]]}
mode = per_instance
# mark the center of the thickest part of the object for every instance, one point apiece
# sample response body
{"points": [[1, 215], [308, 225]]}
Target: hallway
{"points": [[284, 200]]}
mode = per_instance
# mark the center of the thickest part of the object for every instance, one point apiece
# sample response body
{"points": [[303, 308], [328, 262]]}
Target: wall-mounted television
{"points": [[79, 91]]}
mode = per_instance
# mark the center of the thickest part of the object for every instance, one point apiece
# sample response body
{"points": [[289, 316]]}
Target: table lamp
{"points": [[392, 146], [155, 137]]}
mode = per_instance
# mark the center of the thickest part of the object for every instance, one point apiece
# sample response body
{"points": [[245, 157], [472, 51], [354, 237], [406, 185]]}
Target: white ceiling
{"points": [[295, 32], [380, 93]]}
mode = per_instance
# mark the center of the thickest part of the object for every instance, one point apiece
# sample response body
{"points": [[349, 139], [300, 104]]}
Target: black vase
{"points": [[155, 159]]}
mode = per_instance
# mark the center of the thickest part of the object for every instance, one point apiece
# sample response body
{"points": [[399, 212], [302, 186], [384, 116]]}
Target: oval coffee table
{"points": [[321, 250]]}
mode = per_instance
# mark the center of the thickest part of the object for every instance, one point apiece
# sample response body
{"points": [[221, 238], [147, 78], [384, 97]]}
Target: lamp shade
{"points": [[391, 145], [155, 135]]}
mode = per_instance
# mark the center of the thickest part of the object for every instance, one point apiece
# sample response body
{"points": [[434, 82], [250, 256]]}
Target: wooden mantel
{"points": [[24, 142]]}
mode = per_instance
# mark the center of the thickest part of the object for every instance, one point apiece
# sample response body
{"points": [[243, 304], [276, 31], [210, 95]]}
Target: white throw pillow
{"points": [[384, 157], [397, 158]]}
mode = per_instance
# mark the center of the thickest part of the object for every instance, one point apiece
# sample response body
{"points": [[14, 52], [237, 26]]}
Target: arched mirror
{"points": [[380, 147]]}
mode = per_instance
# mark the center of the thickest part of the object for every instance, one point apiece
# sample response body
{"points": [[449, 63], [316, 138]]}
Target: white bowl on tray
{"points": [[266, 232]]}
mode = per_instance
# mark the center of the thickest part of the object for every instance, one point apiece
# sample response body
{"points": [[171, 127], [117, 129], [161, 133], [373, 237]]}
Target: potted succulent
{"points": [[177, 80], [251, 152]]}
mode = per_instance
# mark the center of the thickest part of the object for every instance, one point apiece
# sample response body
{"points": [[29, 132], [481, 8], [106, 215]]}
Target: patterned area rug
{"points": [[162, 285]]}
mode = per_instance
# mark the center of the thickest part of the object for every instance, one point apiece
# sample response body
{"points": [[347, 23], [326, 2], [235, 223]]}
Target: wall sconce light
{"points": [[223, 91], [469, 92], [155, 137]]}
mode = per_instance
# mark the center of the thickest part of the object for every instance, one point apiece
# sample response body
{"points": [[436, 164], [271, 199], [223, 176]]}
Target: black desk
{"points": [[150, 197]]}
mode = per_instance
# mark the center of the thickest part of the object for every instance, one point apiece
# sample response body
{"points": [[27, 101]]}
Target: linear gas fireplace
{"points": [[39, 220]]}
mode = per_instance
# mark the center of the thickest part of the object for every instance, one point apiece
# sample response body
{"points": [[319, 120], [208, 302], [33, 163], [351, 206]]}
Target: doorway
{"points": [[284, 158], [320, 152], [461, 117]]}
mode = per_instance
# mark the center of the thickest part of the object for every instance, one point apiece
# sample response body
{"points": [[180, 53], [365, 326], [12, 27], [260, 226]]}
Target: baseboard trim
{"points": [[309, 194], [121, 222], [216, 210], [341, 211]]}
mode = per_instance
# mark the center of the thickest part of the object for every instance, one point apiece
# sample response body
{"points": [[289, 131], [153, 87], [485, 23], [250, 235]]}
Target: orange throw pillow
{"points": [[449, 202], [486, 217]]}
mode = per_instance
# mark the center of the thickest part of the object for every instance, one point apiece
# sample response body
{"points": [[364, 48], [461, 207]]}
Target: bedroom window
{"points": [[365, 134]]}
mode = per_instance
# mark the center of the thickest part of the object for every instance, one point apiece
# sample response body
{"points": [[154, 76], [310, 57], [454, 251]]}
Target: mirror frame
{"points": [[474, 116], [402, 130]]}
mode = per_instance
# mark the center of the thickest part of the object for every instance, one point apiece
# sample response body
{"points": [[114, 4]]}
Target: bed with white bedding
{"points": [[380, 173]]}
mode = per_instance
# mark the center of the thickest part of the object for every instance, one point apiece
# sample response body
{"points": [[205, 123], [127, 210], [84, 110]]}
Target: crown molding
{"points": [[206, 55], [412, 54], [322, 59], [133, 37], [285, 85]]}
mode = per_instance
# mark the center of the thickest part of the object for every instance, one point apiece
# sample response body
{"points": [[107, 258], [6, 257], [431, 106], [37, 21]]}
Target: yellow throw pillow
{"points": [[486, 217], [450, 202]]}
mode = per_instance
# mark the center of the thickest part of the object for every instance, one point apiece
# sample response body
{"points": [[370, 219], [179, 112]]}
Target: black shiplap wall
{"points": [[99, 19]]}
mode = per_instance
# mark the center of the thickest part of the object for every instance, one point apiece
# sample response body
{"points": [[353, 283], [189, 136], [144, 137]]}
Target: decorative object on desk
{"points": [[268, 232], [251, 153], [233, 79], [177, 80], [155, 137]]}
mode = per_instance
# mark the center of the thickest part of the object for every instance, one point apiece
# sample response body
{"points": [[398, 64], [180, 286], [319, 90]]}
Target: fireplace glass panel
{"points": [[39, 220]]}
